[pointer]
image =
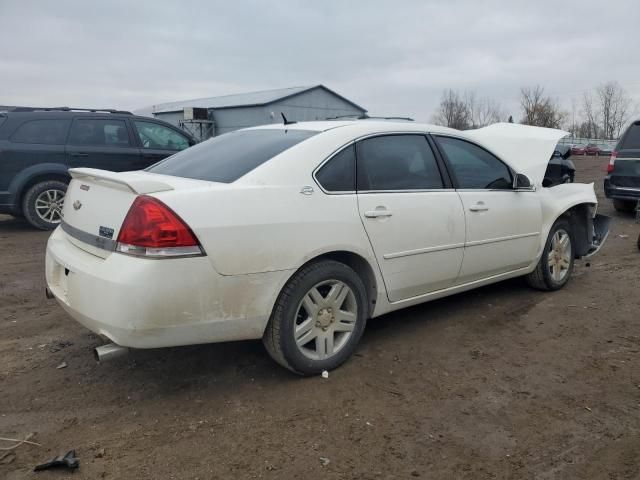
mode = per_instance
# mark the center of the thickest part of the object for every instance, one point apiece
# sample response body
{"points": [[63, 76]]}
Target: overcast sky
{"points": [[391, 57]]}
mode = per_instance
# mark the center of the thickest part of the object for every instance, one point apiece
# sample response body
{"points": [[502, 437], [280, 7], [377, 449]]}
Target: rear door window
{"points": [[397, 162], [47, 132], [230, 156], [631, 140], [99, 132]]}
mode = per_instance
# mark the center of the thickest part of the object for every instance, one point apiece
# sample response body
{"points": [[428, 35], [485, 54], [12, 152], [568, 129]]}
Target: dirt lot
{"points": [[502, 382]]}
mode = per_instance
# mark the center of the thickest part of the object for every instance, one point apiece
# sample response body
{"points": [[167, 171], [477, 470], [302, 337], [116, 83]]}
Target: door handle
{"points": [[479, 207], [377, 213], [79, 154]]}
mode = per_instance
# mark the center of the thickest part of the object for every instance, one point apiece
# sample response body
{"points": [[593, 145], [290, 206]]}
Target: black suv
{"points": [[622, 183], [37, 146]]}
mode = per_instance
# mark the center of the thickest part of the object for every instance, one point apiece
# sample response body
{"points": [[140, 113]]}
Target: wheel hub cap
{"points": [[325, 319]]}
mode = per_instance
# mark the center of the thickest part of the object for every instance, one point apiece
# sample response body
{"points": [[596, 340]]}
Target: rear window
{"points": [[44, 132], [632, 138], [228, 157]]}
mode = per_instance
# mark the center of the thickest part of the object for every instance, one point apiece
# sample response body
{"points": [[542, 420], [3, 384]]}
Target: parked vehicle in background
{"points": [[300, 233], [622, 183], [577, 150], [592, 149], [560, 169], [605, 149], [38, 146]]}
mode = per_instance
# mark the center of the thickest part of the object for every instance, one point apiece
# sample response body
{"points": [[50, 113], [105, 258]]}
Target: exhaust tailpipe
{"points": [[109, 352]]}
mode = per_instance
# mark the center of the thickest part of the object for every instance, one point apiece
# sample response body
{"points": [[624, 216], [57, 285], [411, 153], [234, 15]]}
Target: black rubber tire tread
{"points": [[540, 278], [273, 338], [28, 203], [626, 206]]}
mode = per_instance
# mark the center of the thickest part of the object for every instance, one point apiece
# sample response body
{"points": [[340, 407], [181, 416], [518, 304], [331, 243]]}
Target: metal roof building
{"points": [[206, 117]]}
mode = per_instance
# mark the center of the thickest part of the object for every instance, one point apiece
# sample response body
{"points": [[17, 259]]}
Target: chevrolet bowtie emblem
{"points": [[77, 204]]}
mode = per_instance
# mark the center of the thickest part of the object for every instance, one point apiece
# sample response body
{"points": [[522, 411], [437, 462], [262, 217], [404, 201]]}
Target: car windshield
{"points": [[230, 156]]}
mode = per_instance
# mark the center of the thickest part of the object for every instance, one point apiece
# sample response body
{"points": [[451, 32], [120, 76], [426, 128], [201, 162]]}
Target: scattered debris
{"points": [[19, 442], [623, 236], [325, 374], [100, 453], [587, 408], [67, 460], [324, 461], [59, 346], [62, 365], [415, 473]]}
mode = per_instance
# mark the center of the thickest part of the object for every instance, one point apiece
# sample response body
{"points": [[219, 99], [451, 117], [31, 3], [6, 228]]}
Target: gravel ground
{"points": [[501, 382]]}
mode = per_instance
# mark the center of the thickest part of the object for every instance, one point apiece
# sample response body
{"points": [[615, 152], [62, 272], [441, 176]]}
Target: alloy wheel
{"points": [[559, 255], [325, 319], [48, 205]]}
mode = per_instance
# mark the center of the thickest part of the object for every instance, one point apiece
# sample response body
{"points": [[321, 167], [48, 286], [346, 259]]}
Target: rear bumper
{"points": [[142, 303], [620, 193]]}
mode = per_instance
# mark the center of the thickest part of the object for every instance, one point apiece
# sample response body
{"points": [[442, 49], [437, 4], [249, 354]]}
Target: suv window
{"points": [[93, 131], [474, 167], [631, 140], [48, 132], [153, 135], [230, 156], [339, 173], [397, 162]]}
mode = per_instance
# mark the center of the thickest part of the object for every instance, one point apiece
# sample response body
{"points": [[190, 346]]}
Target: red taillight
{"points": [[152, 229], [612, 161]]}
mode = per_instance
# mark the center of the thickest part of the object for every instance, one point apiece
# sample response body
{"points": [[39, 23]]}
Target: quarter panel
{"points": [[250, 229]]}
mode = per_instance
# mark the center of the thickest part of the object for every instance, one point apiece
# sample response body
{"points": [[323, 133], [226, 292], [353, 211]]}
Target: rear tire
{"points": [[556, 263], [625, 206], [318, 318], [42, 204]]}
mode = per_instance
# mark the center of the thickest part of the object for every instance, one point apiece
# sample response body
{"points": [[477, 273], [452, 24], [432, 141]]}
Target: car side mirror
{"points": [[522, 182]]}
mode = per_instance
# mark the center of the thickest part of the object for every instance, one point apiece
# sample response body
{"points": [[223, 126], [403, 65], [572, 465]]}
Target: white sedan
{"points": [[299, 233]]}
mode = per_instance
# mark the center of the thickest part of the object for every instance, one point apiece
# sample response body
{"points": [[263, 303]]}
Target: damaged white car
{"points": [[299, 233]]}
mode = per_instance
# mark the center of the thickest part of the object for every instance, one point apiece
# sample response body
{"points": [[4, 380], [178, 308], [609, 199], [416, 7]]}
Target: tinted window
{"points": [[397, 162], [228, 157], [88, 131], [49, 132], [339, 173], [153, 135], [632, 138], [473, 166]]}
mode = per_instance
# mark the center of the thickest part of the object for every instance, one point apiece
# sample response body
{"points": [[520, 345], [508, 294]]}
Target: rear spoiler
{"points": [[137, 182]]}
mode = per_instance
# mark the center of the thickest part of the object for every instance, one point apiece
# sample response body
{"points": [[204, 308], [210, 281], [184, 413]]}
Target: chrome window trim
{"points": [[364, 137]]}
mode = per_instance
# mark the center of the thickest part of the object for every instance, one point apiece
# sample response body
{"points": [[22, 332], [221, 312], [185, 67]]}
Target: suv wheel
{"points": [[42, 204], [556, 263], [626, 206], [318, 319]]}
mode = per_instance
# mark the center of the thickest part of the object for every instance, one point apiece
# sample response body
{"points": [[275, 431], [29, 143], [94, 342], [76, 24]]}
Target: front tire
{"points": [[42, 204], [318, 318], [556, 263]]}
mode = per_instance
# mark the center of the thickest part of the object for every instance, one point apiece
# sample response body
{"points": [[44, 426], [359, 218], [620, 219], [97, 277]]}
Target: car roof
{"points": [[363, 126]]}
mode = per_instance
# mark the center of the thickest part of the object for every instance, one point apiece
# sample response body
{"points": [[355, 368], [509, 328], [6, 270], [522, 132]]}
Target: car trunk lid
{"points": [[97, 202]]}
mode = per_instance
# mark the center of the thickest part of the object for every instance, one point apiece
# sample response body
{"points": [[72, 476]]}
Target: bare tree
{"points": [[482, 111], [452, 112], [614, 108], [589, 128], [540, 110]]}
